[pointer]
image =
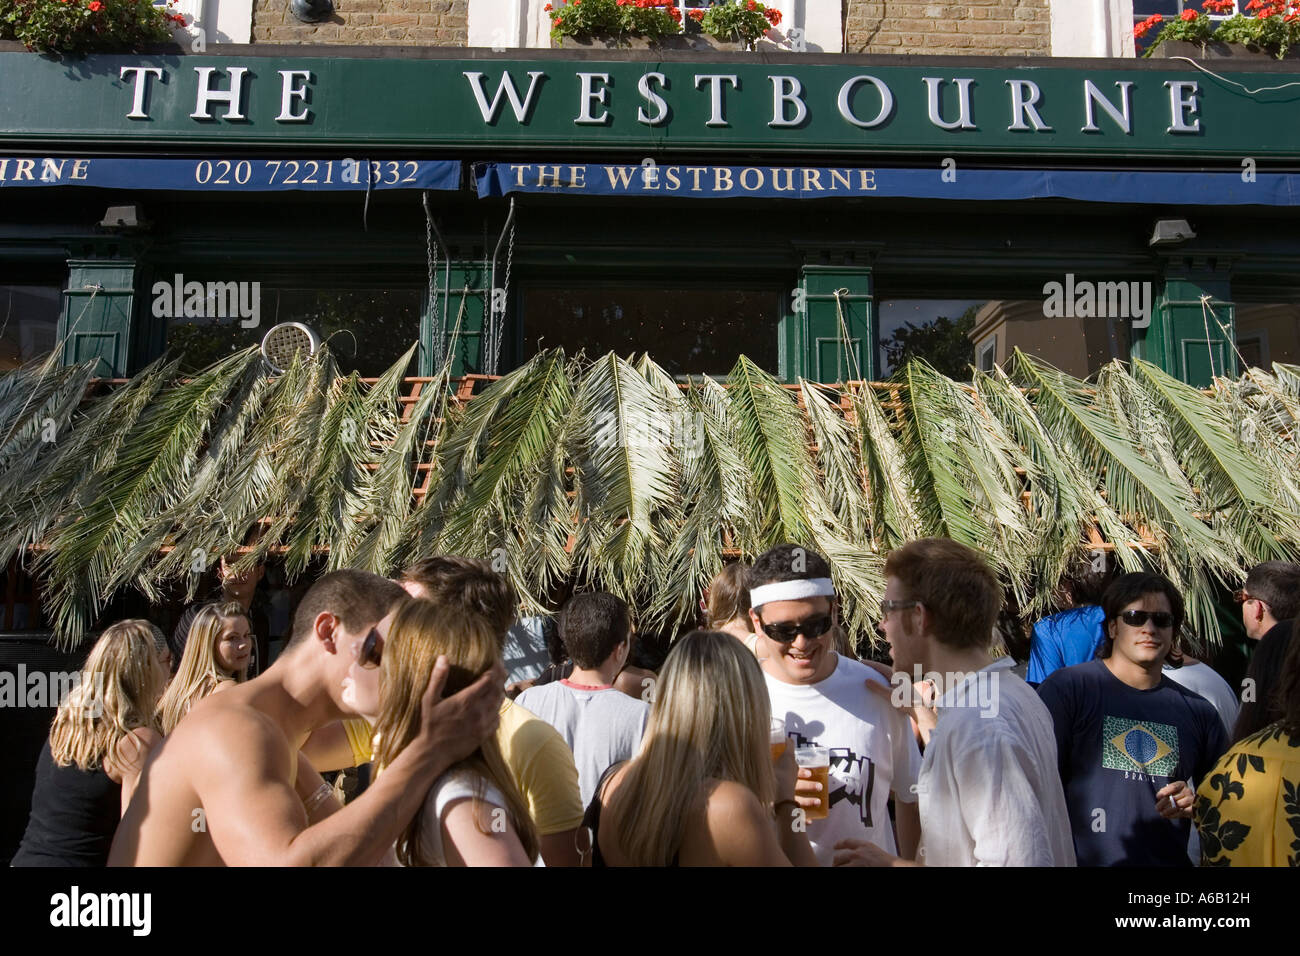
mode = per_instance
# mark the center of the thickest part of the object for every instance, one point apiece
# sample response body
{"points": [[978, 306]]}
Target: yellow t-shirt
{"points": [[1248, 806], [538, 758]]}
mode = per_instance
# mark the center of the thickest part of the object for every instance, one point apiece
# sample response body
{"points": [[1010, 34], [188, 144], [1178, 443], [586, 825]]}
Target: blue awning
{"points": [[231, 175], [1245, 187]]}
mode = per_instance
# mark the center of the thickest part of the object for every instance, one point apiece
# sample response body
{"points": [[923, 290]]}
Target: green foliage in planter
{"points": [[1274, 26], [743, 20], [1273, 33], [84, 26], [614, 19]]}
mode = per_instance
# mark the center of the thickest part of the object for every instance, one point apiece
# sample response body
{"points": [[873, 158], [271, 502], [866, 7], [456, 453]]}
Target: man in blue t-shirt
{"points": [[1073, 636], [1132, 744]]}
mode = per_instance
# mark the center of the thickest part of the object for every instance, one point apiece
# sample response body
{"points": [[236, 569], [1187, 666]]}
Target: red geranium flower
{"points": [[95, 6], [1188, 15]]}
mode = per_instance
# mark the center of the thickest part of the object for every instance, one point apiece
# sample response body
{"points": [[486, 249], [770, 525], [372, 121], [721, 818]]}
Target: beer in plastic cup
{"points": [[818, 760], [777, 738]]}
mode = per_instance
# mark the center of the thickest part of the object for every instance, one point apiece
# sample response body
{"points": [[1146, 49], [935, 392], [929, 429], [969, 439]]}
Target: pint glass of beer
{"points": [[818, 760], [777, 738]]}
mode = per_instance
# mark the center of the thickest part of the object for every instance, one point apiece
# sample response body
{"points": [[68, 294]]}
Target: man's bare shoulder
{"points": [[231, 726]]}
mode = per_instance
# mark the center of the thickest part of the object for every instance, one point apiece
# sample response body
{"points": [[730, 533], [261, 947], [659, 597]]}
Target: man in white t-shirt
{"points": [[601, 724], [824, 701], [990, 788]]}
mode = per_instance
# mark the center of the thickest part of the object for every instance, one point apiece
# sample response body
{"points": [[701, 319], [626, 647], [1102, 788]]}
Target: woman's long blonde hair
{"points": [[117, 693], [198, 674], [422, 630], [710, 719]]}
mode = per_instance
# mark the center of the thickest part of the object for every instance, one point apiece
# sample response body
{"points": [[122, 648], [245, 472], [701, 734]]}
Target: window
{"points": [[29, 322], [1268, 333], [988, 355], [944, 332], [1170, 9], [367, 330], [687, 331]]}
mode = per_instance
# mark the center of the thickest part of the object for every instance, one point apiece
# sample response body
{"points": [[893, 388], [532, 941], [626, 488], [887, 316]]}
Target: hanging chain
{"points": [[505, 297], [431, 258]]}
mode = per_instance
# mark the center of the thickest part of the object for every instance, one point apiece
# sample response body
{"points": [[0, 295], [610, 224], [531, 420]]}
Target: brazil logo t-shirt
{"points": [[1117, 747]]}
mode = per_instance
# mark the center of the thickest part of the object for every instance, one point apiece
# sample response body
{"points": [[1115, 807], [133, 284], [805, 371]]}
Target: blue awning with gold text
{"points": [[1244, 187]]}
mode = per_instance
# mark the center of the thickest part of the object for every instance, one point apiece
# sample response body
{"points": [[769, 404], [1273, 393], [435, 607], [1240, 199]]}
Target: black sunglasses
{"points": [[812, 628], [1160, 619], [371, 651]]}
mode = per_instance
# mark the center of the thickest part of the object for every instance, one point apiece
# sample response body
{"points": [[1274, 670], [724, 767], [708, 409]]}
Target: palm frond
{"points": [[773, 437], [629, 477], [89, 546], [837, 459], [387, 496], [1145, 496], [1231, 483]]}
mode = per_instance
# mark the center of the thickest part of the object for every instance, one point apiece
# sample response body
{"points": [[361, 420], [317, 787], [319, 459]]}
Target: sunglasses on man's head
{"points": [[371, 650], [785, 633], [1161, 619], [1242, 596]]}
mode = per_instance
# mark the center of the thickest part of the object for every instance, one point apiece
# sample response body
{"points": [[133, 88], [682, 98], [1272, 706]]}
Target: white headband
{"points": [[791, 591]]}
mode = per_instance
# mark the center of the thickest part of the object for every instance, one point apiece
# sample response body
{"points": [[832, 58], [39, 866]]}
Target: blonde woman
{"points": [[704, 789], [216, 658], [474, 814], [101, 735]]}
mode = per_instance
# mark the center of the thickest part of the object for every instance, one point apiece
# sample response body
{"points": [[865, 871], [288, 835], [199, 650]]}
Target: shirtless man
{"points": [[229, 785]]}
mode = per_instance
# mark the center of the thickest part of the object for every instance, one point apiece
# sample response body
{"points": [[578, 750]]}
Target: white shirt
{"points": [[990, 786], [1203, 679], [602, 725], [872, 748], [1199, 677], [446, 790]]}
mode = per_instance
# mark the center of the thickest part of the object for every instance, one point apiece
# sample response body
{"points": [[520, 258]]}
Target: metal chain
{"points": [[431, 258], [505, 288]]}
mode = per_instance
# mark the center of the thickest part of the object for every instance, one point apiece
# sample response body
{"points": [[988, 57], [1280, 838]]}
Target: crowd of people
{"points": [[759, 740]]}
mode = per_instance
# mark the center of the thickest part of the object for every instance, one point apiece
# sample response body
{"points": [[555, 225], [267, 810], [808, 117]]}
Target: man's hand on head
{"points": [[458, 724]]}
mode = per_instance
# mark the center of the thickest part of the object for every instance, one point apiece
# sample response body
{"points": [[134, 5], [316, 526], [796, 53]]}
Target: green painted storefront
{"points": [[821, 270]]}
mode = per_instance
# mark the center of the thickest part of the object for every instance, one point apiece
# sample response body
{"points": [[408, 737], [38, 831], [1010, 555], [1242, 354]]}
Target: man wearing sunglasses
{"points": [[1133, 745], [229, 785], [824, 701], [1271, 595]]}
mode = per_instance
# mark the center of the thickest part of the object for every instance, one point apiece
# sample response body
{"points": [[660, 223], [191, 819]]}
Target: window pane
{"points": [[29, 322], [367, 330], [1268, 333], [382, 325], [1166, 8], [950, 333], [686, 331]]}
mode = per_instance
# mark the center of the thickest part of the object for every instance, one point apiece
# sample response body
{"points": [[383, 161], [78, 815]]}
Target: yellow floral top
{"points": [[1248, 806]]}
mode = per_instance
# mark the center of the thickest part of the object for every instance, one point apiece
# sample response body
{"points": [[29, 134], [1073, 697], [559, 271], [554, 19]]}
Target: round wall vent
{"points": [[284, 341]]}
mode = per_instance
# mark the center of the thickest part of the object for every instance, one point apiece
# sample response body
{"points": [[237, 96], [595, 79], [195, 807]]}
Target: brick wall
{"points": [[389, 22], [973, 28]]}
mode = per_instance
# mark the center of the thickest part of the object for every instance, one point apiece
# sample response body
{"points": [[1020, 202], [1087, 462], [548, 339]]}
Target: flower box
{"points": [[1214, 50], [679, 41]]}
